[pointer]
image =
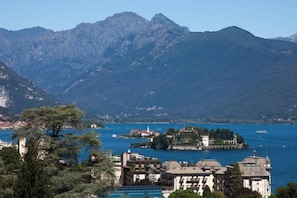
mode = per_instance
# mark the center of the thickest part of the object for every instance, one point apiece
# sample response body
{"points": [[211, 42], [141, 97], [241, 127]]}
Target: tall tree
{"points": [[236, 179], [60, 150], [32, 180]]}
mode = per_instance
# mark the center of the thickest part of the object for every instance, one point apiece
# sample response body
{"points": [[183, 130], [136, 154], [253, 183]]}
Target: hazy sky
{"points": [[263, 18]]}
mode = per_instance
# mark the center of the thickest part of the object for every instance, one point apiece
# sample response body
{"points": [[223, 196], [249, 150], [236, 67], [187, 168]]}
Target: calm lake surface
{"points": [[279, 144]]}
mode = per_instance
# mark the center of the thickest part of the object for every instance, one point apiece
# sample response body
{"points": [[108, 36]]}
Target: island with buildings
{"points": [[140, 133], [194, 138]]}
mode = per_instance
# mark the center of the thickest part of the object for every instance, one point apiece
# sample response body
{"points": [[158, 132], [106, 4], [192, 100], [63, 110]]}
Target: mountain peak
{"points": [[161, 19], [235, 29]]}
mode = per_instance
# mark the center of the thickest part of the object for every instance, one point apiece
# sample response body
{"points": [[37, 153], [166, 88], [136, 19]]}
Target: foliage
{"points": [[245, 193], [207, 193], [236, 179], [52, 119], [160, 142], [9, 164], [32, 180], [88, 122], [10, 156], [184, 194], [289, 191], [60, 150], [218, 194], [192, 136]]}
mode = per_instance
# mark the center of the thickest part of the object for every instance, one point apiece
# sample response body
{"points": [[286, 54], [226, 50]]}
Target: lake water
{"points": [[279, 144]]}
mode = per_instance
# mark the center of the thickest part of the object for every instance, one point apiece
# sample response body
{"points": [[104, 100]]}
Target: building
{"points": [[117, 169], [256, 175], [176, 176], [136, 168], [5, 144], [205, 140]]}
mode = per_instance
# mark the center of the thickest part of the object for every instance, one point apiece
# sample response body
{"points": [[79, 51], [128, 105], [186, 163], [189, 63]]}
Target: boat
{"points": [[261, 131], [114, 135]]}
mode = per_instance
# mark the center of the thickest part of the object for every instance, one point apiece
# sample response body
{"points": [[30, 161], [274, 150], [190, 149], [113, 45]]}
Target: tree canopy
{"points": [[288, 191], [245, 193], [60, 151], [184, 194]]}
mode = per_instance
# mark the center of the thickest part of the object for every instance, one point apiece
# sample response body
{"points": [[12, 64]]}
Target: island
{"points": [[139, 133], [195, 138]]}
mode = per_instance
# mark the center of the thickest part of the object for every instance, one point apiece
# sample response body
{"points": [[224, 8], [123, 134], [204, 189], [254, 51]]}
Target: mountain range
{"points": [[127, 67]]}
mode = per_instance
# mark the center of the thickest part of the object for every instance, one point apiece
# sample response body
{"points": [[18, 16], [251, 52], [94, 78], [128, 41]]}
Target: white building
{"points": [[256, 174], [205, 140], [255, 171], [117, 169], [174, 176], [22, 146]]}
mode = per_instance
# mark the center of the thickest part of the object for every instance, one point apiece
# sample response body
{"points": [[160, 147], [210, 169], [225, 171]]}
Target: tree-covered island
{"points": [[195, 138]]}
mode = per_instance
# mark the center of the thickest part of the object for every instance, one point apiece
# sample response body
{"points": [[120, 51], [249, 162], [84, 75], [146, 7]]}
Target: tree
{"points": [[218, 194], [288, 191], [236, 179], [60, 150], [9, 165], [160, 142], [10, 157], [32, 180], [245, 193], [207, 193], [184, 194]]}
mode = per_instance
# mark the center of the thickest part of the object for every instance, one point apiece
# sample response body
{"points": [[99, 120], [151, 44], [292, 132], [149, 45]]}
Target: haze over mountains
{"points": [[129, 67]]}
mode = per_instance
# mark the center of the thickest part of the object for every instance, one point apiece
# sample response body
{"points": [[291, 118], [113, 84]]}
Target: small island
{"points": [[195, 138], [139, 133]]}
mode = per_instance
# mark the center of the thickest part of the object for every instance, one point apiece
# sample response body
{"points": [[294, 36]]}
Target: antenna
{"points": [[254, 153]]}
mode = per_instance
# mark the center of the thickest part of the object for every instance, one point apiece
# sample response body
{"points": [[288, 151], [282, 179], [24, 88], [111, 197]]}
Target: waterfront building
{"points": [[176, 176], [136, 168], [256, 176], [205, 140]]}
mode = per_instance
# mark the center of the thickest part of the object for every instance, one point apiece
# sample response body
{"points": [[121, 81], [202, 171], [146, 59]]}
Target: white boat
{"points": [[261, 131], [114, 135]]}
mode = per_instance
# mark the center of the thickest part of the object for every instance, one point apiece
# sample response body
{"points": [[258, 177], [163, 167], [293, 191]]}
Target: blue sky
{"points": [[263, 18]]}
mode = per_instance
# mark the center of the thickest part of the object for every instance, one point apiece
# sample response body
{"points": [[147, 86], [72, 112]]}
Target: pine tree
{"points": [[236, 179], [60, 149]]}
